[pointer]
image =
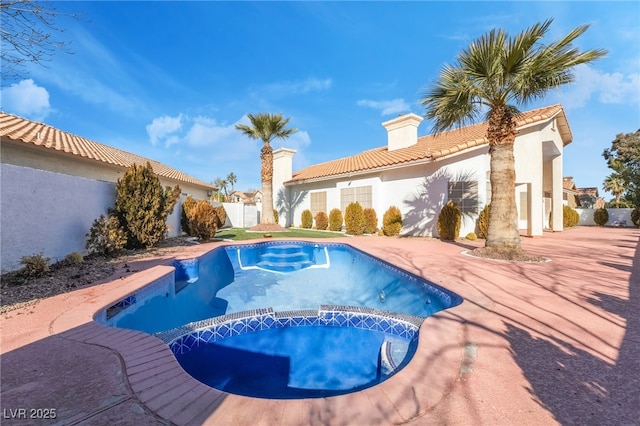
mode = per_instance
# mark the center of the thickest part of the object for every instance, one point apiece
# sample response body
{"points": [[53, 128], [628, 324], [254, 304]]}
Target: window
{"points": [[360, 194], [318, 202], [465, 195]]}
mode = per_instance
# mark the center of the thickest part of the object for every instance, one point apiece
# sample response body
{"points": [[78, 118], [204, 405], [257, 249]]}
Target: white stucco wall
{"points": [[47, 212], [615, 215]]}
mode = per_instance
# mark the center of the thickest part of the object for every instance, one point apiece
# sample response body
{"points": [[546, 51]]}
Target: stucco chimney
{"points": [[402, 131]]}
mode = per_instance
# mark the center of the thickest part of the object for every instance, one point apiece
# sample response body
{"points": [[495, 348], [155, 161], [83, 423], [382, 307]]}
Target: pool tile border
{"points": [[185, 338]]}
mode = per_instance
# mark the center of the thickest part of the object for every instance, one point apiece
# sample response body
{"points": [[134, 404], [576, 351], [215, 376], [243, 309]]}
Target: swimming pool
{"points": [[271, 303]]}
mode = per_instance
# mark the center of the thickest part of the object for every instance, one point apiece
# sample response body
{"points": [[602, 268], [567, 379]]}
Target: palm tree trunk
{"points": [[266, 155], [503, 230], [503, 217]]}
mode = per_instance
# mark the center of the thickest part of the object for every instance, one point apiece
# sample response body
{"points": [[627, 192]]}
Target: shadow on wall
{"points": [[425, 203], [286, 206]]}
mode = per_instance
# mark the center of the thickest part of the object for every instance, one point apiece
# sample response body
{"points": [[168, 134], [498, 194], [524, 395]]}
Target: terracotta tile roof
{"points": [[42, 135], [427, 148], [588, 191]]}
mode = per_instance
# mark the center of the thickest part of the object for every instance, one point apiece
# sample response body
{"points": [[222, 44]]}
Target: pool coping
{"points": [[159, 382]]}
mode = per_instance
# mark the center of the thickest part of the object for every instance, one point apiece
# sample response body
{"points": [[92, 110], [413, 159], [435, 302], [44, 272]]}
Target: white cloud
{"points": [[162, 128], [26, 99], [393, 106], [296, 87], [607, 88]]}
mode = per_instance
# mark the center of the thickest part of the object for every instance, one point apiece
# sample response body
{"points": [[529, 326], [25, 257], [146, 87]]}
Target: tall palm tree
{"points": [[222, 186], [266, 127], [496, 74], [232, 179], [615, 185]]}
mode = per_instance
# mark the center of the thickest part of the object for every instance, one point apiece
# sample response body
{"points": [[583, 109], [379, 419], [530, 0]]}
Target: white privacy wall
{"points": [[47, 212]]}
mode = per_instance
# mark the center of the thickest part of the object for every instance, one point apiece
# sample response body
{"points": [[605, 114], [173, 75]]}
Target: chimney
{"points": [[402, 131]]}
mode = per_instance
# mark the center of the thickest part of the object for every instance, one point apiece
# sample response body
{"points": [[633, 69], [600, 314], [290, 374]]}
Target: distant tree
{"points": [[222, 186], [266, 127], [232, 179], [624, 159], [496, 74], [28, 35], [615, 185]]}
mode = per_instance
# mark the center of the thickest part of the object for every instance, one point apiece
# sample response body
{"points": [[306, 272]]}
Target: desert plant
{"points": [[570, 217], [635, 216], [142, 206], [307, 219], [449, 221], [203, 221], [276, 217], [471, 236], [601, 217], [221, 216], [370, 221], [34, 266], [392, 221], [354, 219], [187, 206], [335, 220], [483, 222], [322, 221], [106, 236], [74, 258]]}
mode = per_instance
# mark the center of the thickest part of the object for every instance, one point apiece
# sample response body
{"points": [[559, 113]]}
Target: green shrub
{"points": [[187, 206], [392, 221], [449, 221], [276, 218], [601, 217], [370, 221], [203, 221], [74, 258], [570, 217], [221, 216], [471, 236], [322, 221], [106, 236], [354, 219], [635, 216], [34, 266], [483, 222], [307, 219], [335, 220], [142, 206]]}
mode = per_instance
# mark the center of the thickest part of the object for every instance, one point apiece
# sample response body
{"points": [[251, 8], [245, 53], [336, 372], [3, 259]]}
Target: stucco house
{"points": [[246, 197], [419, 174], [54, 184]]}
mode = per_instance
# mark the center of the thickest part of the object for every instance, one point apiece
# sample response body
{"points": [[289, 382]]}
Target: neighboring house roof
{"points": [[591, 192], [569, 186], [246, 196], [42, 135], [428, 147]]}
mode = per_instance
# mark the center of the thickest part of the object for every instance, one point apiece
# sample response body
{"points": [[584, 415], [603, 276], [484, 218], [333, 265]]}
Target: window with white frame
{"points": [[318, 202], [465, 195], [359, 194]]}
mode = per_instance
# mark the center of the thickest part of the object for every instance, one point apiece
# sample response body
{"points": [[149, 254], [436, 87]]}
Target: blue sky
{"points": [[169, 80]]}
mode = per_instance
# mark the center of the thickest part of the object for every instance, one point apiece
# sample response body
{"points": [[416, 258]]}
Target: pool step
{"points": [[284, 258]]}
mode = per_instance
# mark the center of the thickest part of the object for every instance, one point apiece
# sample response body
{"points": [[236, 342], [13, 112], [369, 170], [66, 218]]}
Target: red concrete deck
{"points": [[533, 344]]}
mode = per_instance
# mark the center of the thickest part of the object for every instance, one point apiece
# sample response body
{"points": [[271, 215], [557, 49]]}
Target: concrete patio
{"points": [[532, 344]]}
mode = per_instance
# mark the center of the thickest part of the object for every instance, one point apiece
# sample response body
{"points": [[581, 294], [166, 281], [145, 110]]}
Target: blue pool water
{"points": [[252, 319], [298, 362]]}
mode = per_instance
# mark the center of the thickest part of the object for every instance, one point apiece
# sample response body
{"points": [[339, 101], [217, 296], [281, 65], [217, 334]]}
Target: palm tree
{"points": [[222, 185], [495, 74], [232, 179], [615, 185], [266, 127]]}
